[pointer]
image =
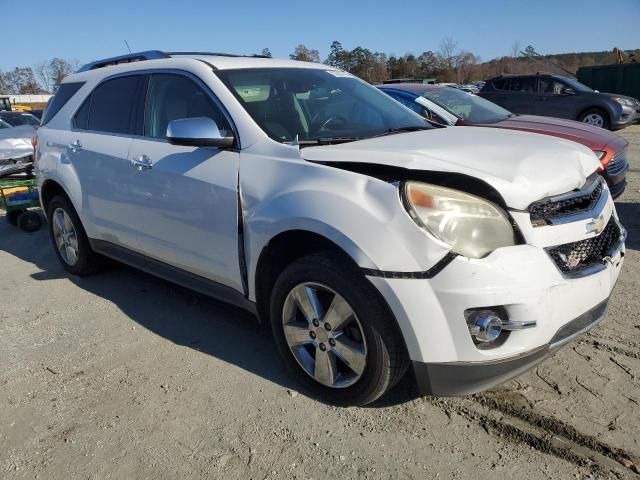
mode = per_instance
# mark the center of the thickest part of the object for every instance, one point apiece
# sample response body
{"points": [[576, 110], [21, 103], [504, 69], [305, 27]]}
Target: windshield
{"points": [[315, 104], [576, 85], [467, 106], [22, 119], [5, 104]]}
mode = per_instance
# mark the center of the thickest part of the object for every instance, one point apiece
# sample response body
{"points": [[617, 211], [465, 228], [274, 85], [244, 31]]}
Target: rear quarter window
{"points": [[59, 100]]}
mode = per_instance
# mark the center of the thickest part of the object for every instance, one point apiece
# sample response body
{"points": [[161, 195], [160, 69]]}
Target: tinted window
{"points": [[113, 105], [523, 84], [62, 96], [81, 119], [499, 84], [549, 85], [173, 97]]}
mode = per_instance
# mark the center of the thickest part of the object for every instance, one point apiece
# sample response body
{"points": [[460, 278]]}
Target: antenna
{"points": [[127, 44]]}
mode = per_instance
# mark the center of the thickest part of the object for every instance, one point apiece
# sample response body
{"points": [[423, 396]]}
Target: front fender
{"points": [[362, 215]]}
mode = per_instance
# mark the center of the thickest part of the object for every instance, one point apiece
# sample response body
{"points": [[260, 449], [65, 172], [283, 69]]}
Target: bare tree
{"points": [[52, 73], [305, 54], [22, 81], [266, 53], [513, 57]]}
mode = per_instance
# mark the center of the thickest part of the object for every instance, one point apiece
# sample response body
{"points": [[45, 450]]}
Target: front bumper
{"points": [[460, 378], [629, 116], [524, 282]]}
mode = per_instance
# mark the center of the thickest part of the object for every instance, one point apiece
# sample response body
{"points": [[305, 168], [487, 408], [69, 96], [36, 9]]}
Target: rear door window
{"points": [[59, 100], [114, 106], [500, 83], [523, 84]]}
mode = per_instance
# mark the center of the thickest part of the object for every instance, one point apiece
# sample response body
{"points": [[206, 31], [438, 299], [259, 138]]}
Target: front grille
{"points": [[543, 212], [618, 164], [572, 258]]}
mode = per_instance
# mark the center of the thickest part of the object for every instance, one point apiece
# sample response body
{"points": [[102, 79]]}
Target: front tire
{"points": [[69, 239], [596, 117], [334, 331]]}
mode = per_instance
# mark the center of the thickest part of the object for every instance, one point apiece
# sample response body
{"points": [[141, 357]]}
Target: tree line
{"points": [[42, 79], [447, 64]]}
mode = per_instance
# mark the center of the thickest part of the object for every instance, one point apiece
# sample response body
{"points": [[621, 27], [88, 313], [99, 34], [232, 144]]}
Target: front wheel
{"points": [[334, 331], [595, 117]]}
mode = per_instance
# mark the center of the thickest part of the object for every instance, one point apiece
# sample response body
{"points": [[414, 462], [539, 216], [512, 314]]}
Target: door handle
{"points": [[142, 163], [75, 146]]}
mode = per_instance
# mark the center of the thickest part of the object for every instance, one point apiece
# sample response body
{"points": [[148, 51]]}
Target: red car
{"points": [[448, 106]]}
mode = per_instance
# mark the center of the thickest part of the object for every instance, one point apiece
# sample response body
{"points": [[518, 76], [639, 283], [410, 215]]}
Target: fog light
{"points": [[484, 325]]}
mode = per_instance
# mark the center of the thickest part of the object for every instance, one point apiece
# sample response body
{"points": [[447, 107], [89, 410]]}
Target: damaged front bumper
{"points": [[465, 378]]}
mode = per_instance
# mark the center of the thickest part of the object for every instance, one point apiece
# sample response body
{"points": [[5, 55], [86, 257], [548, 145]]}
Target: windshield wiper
{"points": [[326, 141], [407, 128]]}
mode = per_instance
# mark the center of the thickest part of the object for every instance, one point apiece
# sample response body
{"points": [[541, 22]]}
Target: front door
{"points": [[553, 102], [186, 197]]}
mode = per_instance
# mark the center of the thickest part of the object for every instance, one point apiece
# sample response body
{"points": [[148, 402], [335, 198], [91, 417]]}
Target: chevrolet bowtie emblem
{"points": [[596, 226]]}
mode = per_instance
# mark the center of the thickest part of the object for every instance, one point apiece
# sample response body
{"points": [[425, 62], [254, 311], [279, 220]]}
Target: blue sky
{"points": [[86, 29]]}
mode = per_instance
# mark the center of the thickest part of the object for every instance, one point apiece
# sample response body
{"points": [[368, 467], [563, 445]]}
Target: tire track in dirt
{"points": [[509, 415]]}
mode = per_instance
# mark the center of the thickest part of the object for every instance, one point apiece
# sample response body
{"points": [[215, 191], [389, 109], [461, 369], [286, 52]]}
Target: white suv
{"points": [[367, 240]]}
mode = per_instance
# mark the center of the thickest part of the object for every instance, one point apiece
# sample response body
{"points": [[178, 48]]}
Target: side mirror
{"points": [[568, 91], [197, 132]]}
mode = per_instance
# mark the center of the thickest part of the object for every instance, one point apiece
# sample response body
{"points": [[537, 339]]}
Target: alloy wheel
{"points": [[594, 119], [65, 236], [324, 335]]}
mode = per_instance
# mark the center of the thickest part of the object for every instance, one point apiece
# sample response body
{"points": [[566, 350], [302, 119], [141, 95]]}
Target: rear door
{"points": [[520, 96], [553, 102], [186, 200], [99, 146]]}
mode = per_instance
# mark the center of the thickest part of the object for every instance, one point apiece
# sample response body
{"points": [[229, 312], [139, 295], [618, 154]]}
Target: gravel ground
{"points": [[122, 375]]}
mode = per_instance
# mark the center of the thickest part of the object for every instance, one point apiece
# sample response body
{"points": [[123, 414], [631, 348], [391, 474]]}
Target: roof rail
{"points": [[132, 57], [216, 54]]}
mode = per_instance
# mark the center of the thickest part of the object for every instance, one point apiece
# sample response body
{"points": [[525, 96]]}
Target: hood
{"points": [[617, 95], [593, 137], [15, 142], [523, 167]]}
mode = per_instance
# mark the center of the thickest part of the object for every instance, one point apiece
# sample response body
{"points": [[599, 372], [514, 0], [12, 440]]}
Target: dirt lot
{"points": [[122, 375]]}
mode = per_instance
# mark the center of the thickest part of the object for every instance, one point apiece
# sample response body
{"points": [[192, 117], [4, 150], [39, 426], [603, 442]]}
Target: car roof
{"points": [[417, 88]]}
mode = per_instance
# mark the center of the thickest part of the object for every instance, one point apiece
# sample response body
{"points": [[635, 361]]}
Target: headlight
{"points": [[474, 227], [623, 101]]}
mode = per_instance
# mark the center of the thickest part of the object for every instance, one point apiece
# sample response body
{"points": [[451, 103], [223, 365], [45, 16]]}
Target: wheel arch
{"points": [[290, 245], [48, 190], [603, 108]]}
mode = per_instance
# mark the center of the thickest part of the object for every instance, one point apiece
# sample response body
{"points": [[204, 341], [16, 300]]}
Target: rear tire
{"points": [[364, 352], [596, 117], [69, 238]]}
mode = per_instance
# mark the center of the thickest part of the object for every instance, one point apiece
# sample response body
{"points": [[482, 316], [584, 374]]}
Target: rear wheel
{"points": [[69, 238], [595, 117], [334, 331]]}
